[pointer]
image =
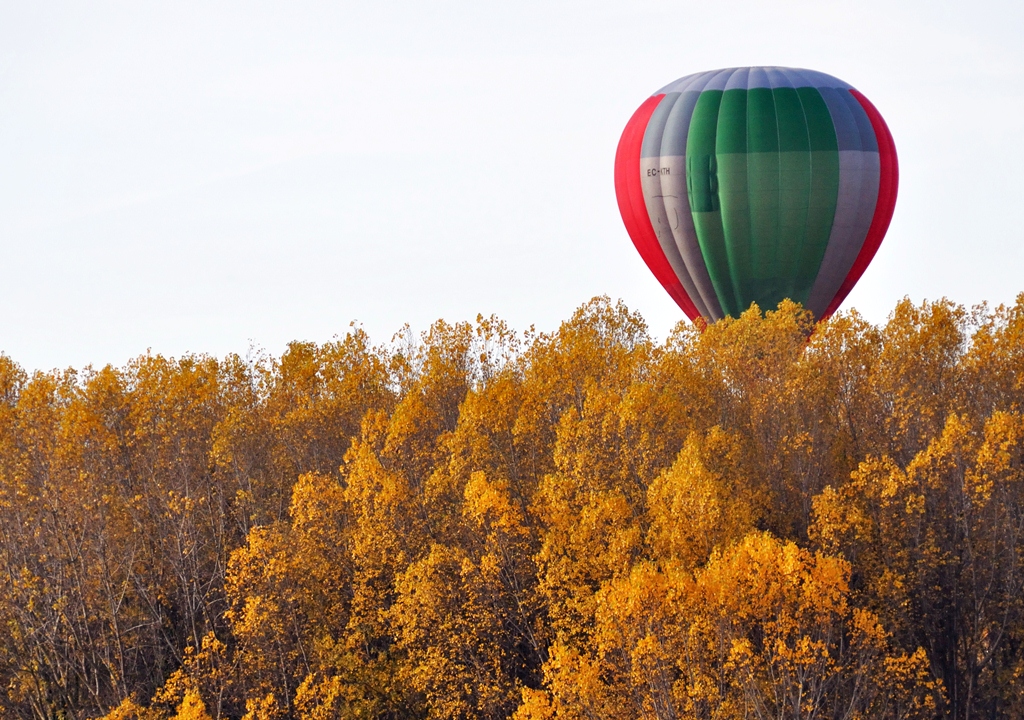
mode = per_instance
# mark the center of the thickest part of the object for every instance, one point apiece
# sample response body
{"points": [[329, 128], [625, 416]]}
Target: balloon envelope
{"points": [[756, 184]]}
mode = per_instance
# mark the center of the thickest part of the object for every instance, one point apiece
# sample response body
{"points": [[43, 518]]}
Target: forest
{"points": [[763, 518]]}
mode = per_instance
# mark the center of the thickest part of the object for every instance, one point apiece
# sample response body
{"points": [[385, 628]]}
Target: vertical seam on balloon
{"points": [[724, 291], [646, 242], [883, 139], [730, 285], [778, 206], [839, 180], [746, 158], [807, 202], [697, 302], [847, 177], [888, 163], [702, 81], [733, 285], [640, 211]]}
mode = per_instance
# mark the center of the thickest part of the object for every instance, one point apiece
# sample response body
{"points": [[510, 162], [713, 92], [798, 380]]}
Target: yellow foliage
{"points": [[262, 708], [766, 517], [694, 509], [129, 709], [191, 707]]}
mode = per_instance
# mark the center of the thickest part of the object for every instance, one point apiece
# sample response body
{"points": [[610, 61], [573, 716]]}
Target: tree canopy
{"points": [[766, 518]]}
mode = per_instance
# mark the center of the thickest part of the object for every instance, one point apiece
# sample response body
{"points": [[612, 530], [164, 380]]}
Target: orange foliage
{"points": [[770, 518]]}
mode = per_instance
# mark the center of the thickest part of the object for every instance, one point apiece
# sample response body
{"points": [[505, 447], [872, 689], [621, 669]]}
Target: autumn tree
{"points": [[766, 517]]}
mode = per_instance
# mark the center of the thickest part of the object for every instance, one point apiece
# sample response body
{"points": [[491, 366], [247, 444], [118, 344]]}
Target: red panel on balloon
{"points": [[888, 183], [629, 193]]}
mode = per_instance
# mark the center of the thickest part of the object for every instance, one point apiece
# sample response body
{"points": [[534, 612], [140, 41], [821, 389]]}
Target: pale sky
{"points": [[200, 177]]}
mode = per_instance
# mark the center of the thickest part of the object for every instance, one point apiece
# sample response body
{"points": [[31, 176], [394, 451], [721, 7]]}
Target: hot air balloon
{"points": [[756, 184]]}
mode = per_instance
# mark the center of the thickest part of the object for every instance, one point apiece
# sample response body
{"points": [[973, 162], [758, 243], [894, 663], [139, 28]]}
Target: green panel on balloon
{"points": [[731, 123], [789, 114], [702, 189], [740, 255], [821, 131], [821, 212], [794, 196], [763, 128], [763, 181]]}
